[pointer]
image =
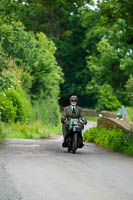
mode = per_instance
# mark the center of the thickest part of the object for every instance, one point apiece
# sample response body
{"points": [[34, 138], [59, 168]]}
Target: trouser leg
{"points": [[65, 133], [64, 130]]}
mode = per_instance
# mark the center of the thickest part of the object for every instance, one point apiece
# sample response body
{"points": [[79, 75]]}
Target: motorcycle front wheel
{"points": [[75, 142], [69, 145]]}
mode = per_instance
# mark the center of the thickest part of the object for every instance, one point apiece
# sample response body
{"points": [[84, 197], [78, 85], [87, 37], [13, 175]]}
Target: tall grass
{"points": [[45, 123], [47, 111], [35, 130], [2, 135]]}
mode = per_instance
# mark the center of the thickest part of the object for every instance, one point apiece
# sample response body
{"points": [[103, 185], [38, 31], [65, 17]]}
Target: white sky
{"points": [[93, 7]]}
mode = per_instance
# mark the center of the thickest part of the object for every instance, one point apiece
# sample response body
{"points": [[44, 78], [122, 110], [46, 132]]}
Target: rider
{"points": [[71, 111]]}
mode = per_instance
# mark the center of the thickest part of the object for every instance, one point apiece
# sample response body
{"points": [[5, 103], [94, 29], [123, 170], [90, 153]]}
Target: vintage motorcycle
{"points": [[74, 138]]}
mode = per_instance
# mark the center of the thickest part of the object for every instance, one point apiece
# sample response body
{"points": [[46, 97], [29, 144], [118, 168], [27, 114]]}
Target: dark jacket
{"points": [[69, 114]]}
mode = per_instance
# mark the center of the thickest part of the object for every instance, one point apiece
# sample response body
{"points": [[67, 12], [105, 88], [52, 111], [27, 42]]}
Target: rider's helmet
{"points": [[73, 98]]}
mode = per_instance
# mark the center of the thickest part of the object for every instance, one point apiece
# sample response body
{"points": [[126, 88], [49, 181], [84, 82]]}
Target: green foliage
{"points": [[111, 61], [91, 118], [130, 112], [94, 47], [115, 10], [36, 54], [14, 103], [14, 106], [10, 76], [60, 21], [106, 99], [103, 66], [45, 121], [34, 130], [90, 135], [102, 38], [6, 80], [129, 90], [21, 104], [114, 139], [47, 111], [128, 149], [7, 110], [2, 136], [4, 64], [32, 70]]}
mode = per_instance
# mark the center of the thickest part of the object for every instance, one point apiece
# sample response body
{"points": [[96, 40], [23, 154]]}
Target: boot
{"points": [[64, 144], [81, 144]]}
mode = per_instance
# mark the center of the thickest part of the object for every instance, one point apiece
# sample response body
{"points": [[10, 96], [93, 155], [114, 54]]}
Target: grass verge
{"points": [[115, 139], [35, 130], [2, 136], [130, 112], [91, 118]]}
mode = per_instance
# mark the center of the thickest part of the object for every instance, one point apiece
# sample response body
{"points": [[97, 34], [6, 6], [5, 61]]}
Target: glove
{"points": [[62, 120], [85, 122]]}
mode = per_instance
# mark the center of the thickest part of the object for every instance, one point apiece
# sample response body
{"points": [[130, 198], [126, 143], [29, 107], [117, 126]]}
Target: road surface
{"points": [[43, 170]]}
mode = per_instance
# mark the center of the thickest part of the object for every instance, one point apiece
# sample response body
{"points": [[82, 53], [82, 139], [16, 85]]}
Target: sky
{"points": [[93, 7]]}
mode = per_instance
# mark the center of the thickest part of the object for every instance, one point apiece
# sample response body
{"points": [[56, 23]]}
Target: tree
{"points": [[129, 91], [106, 99], [34, 54], [28, 66], [61, 22], [94, 47], [112, 62], [113, 10], [15, 104]]}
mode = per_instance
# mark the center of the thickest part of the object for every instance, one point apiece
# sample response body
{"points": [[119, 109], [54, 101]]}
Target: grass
{"points": [[35, 130], [2, 136], [1, 139], [38, 129], [91, 118], [130, 112], [128, 109]]}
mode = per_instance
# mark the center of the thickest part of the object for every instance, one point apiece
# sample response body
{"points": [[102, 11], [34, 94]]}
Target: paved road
{"points": [[43, 170], [90, 124]]}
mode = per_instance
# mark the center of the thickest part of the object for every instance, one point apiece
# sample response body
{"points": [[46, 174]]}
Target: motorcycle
{"points": [[74, 138]]}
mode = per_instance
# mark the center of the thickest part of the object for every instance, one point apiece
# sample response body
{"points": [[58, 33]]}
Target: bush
{"points": [[90, 134], [21, 104], [35, 53], [15, 106], [28, 70], [7, 110], [114, 139]]}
